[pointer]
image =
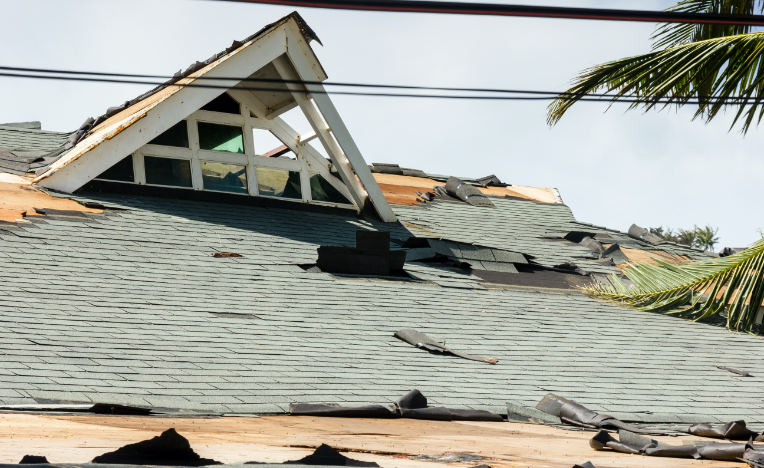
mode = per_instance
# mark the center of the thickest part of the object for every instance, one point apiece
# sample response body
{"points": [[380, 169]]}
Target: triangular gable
{"points": [[281, 51]]}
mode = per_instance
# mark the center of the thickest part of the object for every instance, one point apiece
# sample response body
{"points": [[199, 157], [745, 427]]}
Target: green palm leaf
{"points": [[705, 63], [674, 34], [733, 284]]}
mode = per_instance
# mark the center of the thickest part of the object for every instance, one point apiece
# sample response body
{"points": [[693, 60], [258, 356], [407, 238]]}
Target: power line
{"points": [[517, 95], [493, 9]]}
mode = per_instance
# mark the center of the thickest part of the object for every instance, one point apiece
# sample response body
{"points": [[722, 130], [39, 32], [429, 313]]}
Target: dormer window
{"points": [[188, 135]]}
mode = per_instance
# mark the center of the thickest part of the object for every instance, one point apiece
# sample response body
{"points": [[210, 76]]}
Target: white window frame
{"points": [[308, 161]]}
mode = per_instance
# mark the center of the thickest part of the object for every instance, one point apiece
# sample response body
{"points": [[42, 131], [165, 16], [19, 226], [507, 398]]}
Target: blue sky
{"points": [[612, 168]]}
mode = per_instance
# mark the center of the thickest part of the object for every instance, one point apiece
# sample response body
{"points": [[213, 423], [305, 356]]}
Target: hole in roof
{"points": [[120, 172], [297, 120], [223, 103], [278, 183], [218, 137], [177, 135]]}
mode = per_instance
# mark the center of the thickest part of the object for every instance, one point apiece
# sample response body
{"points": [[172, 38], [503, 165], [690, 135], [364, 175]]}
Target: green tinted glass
{"points": [[216, 137], [322, 190], [165, 171], [122, 171], [177, 135], [224, 177], [278, 183]]}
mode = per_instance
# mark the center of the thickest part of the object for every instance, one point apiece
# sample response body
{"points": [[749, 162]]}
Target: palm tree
{"points": [[705, 238], [704, 63], [696, 290], [711, 66]]}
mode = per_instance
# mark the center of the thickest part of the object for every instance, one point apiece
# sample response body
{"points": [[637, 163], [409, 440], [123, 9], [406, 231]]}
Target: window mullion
{"points": [[138, 168], [249, 150], [196, 166]]}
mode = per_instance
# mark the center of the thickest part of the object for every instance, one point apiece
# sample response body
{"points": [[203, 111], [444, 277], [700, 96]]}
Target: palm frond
{"points": [[674, 34], [733, 284], [711, 71]]}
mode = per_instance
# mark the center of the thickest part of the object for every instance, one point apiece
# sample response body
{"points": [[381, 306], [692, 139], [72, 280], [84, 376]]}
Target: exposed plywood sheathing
{"points": [[647, 256], [19, 199], [390, 443], [401, 190]]}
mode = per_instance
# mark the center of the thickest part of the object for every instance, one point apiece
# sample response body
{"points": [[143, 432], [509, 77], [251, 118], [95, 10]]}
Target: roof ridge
{"points": [[32, 130]]}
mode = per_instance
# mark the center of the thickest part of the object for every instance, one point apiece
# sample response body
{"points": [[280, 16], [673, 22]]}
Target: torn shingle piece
{"points": [[735, 430], [414, 405], [420, 340], [168, 448], [327, 456], [371, 411], [615, 254], [735, 371], [467, 193]]}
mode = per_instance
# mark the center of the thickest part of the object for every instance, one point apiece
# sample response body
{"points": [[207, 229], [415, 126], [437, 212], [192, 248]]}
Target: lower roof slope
{"points": [[130, 307]]}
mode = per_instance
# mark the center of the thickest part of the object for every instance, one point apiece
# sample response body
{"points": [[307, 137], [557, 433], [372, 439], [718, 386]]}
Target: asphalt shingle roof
{"points": [[130, 307], [31, 139]]}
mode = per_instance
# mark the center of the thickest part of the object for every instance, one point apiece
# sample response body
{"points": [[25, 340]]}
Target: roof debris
{"points": [[467, 193], [327, 456], [168, 448], [420, 340]]}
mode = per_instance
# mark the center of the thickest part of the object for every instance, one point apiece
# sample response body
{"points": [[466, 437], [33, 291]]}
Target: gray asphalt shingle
{"points": [[133, 308]]}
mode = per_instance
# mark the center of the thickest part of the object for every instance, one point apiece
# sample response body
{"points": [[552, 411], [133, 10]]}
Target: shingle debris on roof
{"points": [[22, 150]]}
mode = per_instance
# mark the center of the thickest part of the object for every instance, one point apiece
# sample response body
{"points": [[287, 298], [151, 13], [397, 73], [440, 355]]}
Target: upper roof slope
{"points": [[23, 150]]}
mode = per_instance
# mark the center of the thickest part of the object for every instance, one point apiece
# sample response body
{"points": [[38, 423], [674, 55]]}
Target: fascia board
{"points": [[109, 145]]}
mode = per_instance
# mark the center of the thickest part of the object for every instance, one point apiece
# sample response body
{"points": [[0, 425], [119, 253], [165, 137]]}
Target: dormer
{"points": [[202, 132]]}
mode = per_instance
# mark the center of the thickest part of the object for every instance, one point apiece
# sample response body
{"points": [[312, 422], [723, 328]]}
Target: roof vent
{"points": [[370, 256]]}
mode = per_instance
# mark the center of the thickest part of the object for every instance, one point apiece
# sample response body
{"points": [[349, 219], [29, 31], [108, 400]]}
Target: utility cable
{"points": [[530, 95], [528, 11]]}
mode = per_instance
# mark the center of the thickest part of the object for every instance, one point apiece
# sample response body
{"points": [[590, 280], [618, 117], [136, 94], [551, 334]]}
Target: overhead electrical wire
{"points": [[516, 95], [527, 11]]}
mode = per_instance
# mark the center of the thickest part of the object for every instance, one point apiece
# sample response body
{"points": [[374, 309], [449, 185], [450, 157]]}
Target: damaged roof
{"points": [[193, 302], [23, 150], [250, 334]]}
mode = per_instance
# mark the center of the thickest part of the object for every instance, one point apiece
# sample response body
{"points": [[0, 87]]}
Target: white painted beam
{"points": [[300, 55]]}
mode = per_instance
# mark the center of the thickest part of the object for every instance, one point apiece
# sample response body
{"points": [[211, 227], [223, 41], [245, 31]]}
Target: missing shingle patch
{"points": [[225, 254]]}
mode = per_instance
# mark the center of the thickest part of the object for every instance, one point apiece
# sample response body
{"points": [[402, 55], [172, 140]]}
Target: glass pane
{"points": [[224, 177], [223, 103], [177, 135], [218, 137], [122, 171], [322, 190], [165, 171], [278, 183]]}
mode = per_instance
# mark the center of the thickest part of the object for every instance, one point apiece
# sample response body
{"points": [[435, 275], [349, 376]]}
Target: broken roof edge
{"points": [[127, 117]]}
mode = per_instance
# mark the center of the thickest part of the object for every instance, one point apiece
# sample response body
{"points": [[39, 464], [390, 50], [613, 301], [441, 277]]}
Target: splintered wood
{"points": [[390, 443]]}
